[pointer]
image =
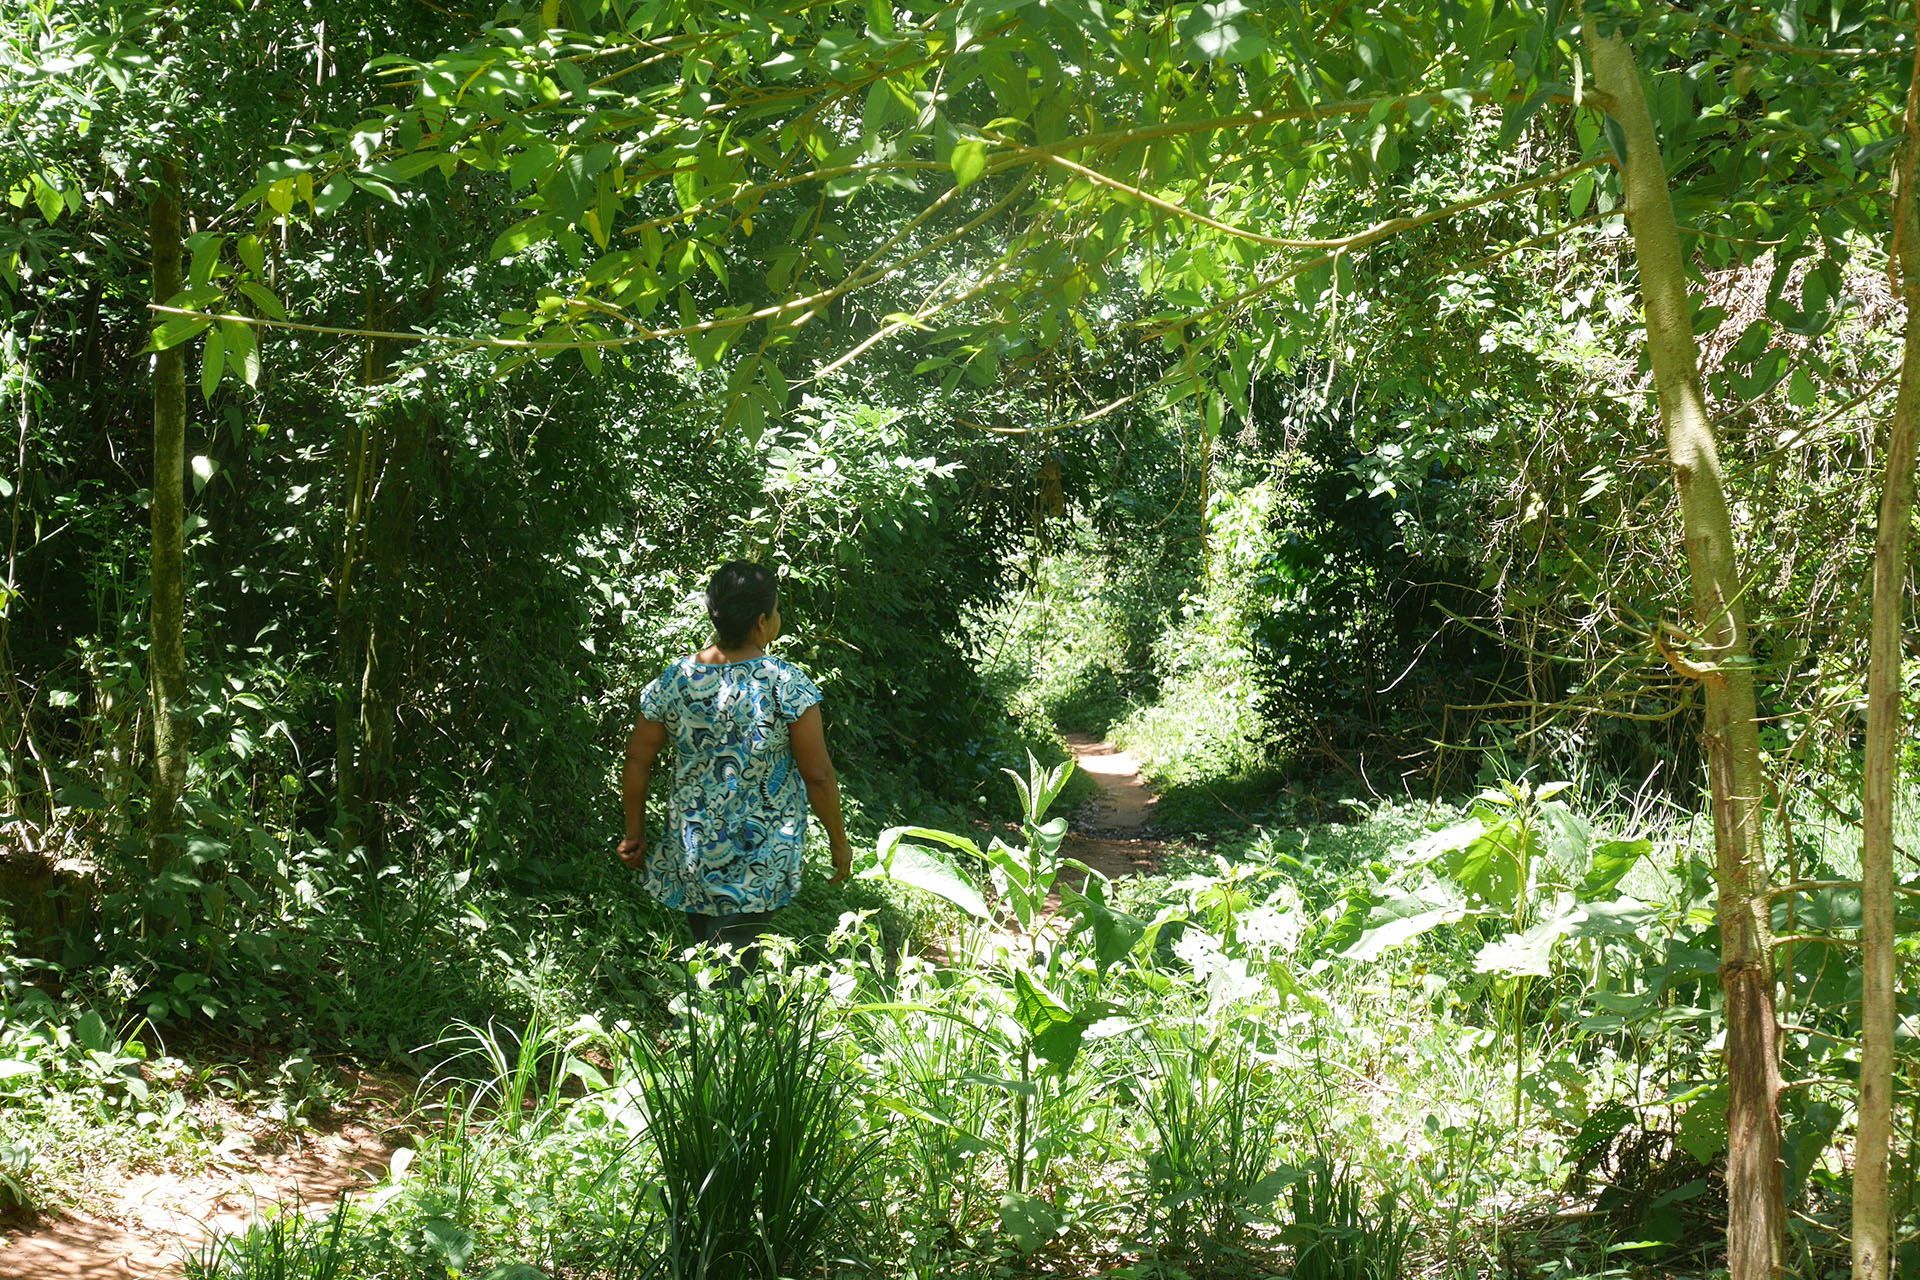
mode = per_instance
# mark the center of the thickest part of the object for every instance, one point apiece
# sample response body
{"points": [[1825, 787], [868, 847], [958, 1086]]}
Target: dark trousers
{"points": [[741, 931]]}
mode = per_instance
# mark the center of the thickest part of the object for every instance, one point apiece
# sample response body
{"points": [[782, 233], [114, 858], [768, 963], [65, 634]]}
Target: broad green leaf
{"points": [[46, 198], [1223, 29], [522, 235], [922, 869], [1049, 1024], [212, 360], [1801, 393], [203, 468], [1623, 917], [532, 163], [405, 168], [1526, 954], [91, 1032], [243, 351], [332, 196], [1028, 1220], [176, 330], [968, 161], [206, 256], [1446, 840], [374, 186], [1567, 837], [1580, 195], [1114, 933], [1488, 868], [1702, 1132], [263, 298], [1398, 918], [1608, 863]]}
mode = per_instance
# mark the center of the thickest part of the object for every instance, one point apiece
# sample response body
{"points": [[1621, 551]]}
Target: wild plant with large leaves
{"points": [[1526, 863]]}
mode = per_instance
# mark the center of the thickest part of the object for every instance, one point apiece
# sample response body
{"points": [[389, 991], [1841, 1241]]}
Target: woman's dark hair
{"points": [[738, 594]]}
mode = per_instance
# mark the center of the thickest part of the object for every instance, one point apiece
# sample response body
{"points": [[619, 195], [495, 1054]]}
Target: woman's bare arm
{"points": [[636, 779], [808, 737]]}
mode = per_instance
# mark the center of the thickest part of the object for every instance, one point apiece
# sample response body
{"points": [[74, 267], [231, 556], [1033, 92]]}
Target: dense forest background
{"points": [[1272, 391]]}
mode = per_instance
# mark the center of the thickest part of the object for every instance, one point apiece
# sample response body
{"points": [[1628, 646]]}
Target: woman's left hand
{"points": [[633, 850], [842, 863]]}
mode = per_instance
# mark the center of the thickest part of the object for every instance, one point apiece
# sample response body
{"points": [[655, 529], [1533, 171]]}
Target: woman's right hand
{"points": [[842, 862], [633, 850]]}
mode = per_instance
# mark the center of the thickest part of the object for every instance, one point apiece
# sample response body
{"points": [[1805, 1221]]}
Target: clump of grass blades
{"points": [[287, 1246], [748, 1121], [1212, 1147], [1333, 1235]]}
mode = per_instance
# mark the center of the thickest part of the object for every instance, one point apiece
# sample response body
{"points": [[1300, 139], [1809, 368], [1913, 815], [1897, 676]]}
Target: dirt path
{"points": [[160, 1219], [1110, 833]]}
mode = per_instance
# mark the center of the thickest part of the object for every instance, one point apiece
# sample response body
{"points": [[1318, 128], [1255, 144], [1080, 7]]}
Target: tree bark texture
{"points": [[167, 663], [1756, 1209], [1872, 1212]]}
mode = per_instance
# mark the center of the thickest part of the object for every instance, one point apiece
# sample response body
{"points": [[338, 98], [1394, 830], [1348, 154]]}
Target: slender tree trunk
{"points": [[1872, 1216], [389, 516], [350, 627], [359, 471], [167, 674], [1756, 1208]]}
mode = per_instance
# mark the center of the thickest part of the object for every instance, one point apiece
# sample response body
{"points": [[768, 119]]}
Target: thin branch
{"points": [[1385, 230]]}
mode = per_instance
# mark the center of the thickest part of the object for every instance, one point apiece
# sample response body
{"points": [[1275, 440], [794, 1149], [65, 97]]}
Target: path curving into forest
{"points": [[1113, 832]]}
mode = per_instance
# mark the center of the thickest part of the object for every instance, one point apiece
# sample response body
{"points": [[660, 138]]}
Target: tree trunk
{"points": [[1872, 1214], [167, 674], [390, 516], [350, 626], [1756, 1206]]}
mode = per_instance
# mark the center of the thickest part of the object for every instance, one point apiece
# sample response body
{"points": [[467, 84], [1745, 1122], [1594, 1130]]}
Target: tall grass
{"points": [[1335, 1237], [286, 1246], [750, 1124], [1210, 1135]]}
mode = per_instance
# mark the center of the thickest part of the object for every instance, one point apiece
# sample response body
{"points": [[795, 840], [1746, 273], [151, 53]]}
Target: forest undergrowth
{"points": [[1336, 1035]]}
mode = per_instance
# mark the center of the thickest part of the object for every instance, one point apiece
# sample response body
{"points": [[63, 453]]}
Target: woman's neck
{"points": [[714, 655]]}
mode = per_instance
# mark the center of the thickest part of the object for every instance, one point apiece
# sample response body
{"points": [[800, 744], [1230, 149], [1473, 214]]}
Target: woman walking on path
{"points": [[750, 757]]}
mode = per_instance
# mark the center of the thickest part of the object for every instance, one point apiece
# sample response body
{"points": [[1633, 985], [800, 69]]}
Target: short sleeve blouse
{"points": [[737, 820]]}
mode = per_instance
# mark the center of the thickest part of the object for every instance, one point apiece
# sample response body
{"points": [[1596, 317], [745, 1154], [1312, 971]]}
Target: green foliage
{"points": [[750, 1122], [1212, 1115], [289, 1245], [1304, 405], [1335, 1237]]}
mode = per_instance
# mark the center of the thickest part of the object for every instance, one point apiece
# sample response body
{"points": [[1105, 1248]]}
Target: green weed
{"points": [[749, 1121], [287, 1245]]}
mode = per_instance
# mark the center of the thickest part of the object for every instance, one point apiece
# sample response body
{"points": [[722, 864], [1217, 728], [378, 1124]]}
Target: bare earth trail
{"points": [[160, 1219], [1110, 832]]}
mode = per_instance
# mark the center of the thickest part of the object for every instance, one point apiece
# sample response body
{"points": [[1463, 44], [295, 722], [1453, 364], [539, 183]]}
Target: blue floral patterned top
{"points": [[738, 817]]}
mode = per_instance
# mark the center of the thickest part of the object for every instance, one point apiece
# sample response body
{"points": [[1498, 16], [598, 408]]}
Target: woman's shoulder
{"points": [[782, 670]]}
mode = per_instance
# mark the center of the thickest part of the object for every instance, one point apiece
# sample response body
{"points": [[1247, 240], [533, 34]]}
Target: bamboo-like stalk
{"points": [[1872, 1218], [1756, 1201], [167, 677]]}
